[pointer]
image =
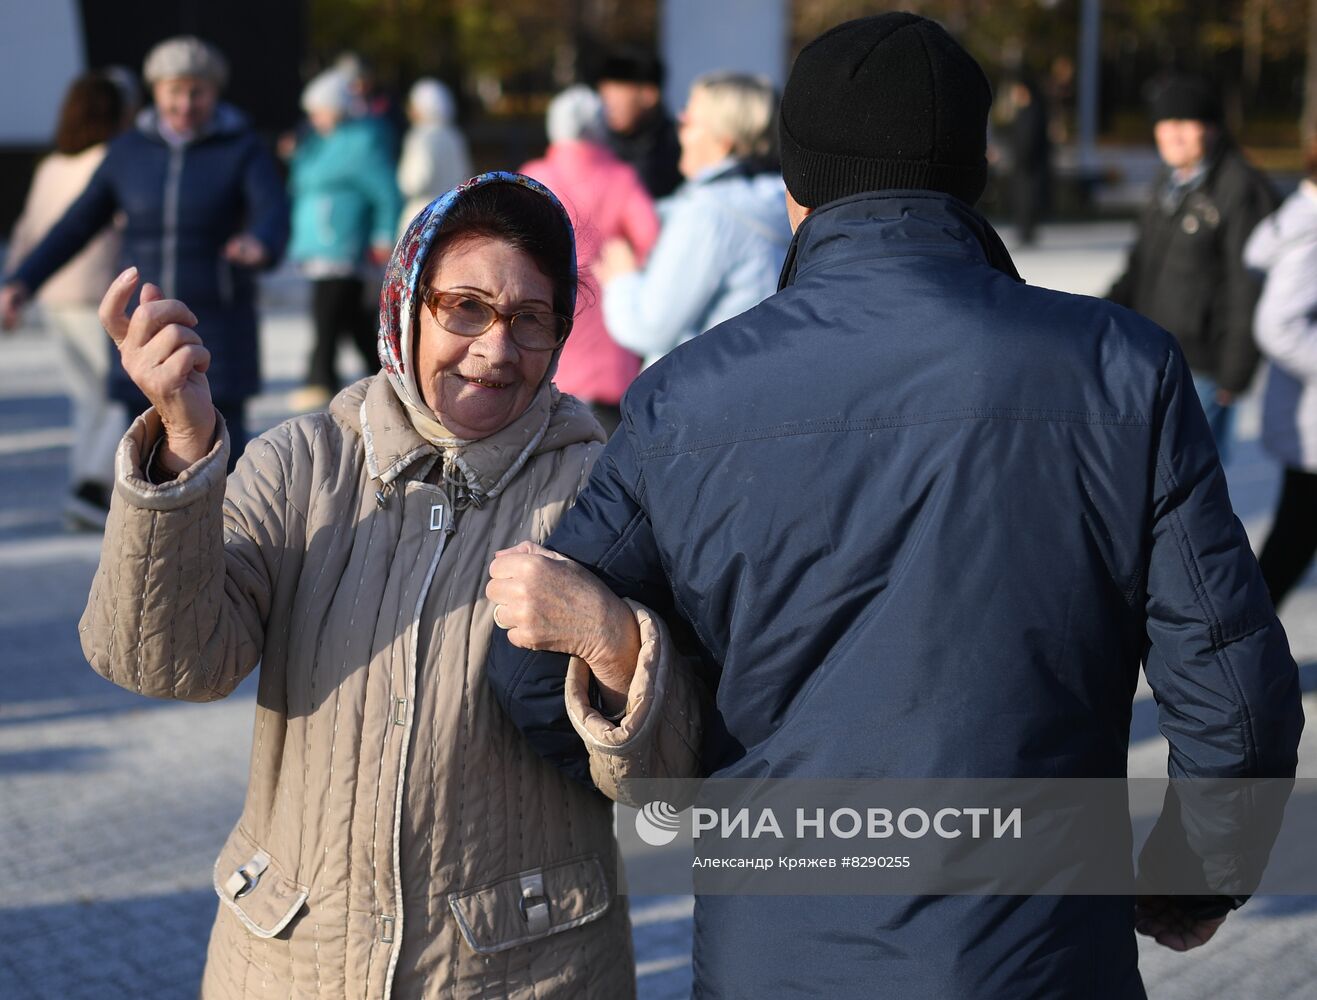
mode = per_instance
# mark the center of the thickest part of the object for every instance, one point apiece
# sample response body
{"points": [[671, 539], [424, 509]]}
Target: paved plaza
{"points": [[112, 807]]}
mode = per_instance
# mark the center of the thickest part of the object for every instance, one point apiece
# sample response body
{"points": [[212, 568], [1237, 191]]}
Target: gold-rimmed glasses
{"points": [[468, 316]]}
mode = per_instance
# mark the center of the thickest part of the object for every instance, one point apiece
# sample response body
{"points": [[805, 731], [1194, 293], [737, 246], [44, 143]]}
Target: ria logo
{"points": [[657, 824]]}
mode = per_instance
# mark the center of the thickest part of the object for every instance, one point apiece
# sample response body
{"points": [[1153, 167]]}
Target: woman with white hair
{"points": [[345, 202], [434, 153], [725, 231], [204, 209], [607, 200]]}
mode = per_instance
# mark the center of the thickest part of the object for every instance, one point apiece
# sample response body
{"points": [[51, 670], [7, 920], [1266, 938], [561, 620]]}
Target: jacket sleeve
{"points": [[640, 223], [1220, 668], [1285, 324], [1240, 287], [179, 602], [659, 735], [378, 180], [1217, 659], [653, 310], [1122, 289], [608, 531], [91, 212], [267, 202]]}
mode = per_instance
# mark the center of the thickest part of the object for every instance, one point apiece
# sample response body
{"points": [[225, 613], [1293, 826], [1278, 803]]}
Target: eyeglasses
{"points": [[530, 329]]}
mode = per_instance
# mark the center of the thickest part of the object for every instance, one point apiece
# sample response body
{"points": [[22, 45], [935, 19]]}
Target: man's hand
{"points": [[547, 601], [1162, 919], [13, 297], [246, 250], [165, 358]]}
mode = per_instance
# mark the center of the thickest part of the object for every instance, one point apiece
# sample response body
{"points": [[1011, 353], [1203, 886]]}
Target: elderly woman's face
{"points": [[478, 385], [185, 103]]}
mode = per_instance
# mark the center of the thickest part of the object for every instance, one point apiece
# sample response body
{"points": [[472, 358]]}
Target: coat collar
{"points": [[227, 120], [394, 447], [891, 224]]}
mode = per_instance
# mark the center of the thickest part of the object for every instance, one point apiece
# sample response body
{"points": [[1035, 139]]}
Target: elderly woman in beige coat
{"points": [[399, 839]]}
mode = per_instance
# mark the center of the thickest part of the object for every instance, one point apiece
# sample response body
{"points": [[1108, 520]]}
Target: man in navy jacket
{"points": [[926, 521]]}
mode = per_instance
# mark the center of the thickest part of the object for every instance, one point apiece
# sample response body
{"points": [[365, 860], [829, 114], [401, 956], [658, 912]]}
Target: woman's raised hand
{"points": [[165, 358]]}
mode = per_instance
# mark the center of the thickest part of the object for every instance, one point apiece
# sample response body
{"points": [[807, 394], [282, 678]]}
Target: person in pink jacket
{"points": [[606, 200]]}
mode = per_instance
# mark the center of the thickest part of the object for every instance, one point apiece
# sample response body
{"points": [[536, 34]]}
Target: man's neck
{"points": [[1183, 175]]}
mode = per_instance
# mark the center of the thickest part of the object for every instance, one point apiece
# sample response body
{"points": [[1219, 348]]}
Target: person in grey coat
{"points": [[1284, 246]]}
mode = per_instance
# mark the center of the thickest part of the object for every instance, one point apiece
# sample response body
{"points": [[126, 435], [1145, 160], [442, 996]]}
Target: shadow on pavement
{"points": [[80, 950], [50, 759]]}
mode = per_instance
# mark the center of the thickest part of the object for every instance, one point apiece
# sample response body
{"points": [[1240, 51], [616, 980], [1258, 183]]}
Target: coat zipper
{"points": [[169, 237], [447, 528]]}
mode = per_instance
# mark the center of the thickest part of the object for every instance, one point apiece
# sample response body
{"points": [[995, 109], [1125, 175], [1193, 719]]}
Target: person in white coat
{"points": [[1284, 245], [434, 157]]}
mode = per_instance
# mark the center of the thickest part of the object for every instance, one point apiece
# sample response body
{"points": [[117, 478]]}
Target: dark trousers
{"points": [[337, 311], [1293, 539]]}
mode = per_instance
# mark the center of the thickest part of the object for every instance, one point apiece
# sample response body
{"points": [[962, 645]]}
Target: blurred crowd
{"points": [[680, 225]]}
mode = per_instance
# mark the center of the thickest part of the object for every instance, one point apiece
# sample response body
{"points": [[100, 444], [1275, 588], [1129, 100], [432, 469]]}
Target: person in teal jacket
{"points": [[345, 206]]}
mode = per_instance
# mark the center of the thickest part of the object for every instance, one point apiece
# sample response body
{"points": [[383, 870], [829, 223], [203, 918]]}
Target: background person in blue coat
{"points": [[345, 207], [724, 233], [204, 209], [925, 521]]}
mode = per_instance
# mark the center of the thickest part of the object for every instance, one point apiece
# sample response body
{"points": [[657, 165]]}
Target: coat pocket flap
{"points": [[531, 905], [255, 887]]}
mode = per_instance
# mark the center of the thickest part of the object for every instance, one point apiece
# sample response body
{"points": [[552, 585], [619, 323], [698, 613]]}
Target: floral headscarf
{"points": [[399, 302]]}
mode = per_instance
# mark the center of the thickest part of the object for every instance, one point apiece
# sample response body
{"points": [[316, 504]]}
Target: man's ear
{"points": [[796, 212]]}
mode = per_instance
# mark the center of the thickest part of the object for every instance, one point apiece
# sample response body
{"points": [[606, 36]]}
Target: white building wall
{"points": [[701, 35], [41, 51]]}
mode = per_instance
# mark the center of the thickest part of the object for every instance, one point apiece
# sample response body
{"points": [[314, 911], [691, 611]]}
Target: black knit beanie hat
{"points": [[890, 101], [1186, 98]]}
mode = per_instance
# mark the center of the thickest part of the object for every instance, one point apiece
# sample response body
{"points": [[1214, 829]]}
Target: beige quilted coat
{"points": [[399, 838]]}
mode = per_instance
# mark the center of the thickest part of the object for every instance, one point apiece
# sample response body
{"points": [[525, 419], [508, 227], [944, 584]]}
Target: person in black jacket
{"points": [[1186, 269], [921, 520], [641, 131], [1031, 158]]}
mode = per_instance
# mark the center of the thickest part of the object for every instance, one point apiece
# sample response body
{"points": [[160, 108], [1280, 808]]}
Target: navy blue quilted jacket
{"points": [[927, 521], [180, 206]]}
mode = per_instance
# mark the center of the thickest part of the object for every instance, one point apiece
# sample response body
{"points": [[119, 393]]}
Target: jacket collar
{"points": [[892, 224], [227, 120], [393, 445]]}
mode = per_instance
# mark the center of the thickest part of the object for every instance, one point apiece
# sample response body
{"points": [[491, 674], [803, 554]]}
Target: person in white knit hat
{"points": [[434, 153]]}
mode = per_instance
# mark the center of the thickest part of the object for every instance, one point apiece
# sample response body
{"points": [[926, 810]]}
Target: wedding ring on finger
{"points": [[497, 609]]}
